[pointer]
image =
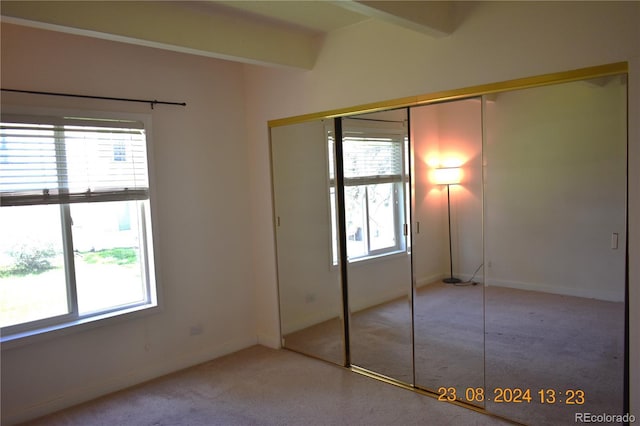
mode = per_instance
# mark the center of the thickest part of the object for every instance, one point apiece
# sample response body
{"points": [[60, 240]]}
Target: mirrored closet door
{"points": [[555, 247], [309, 283], [376, 188], [447, 249], [471, 248]]}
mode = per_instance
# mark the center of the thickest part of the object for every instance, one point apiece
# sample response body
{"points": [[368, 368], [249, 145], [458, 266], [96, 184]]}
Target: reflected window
{"points": [[374, 179]]}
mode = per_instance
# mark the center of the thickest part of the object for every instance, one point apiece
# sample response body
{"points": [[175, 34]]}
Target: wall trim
{"points": [[428, 280], [608, 296], [309, 321], [466, 92], [269, 341]]}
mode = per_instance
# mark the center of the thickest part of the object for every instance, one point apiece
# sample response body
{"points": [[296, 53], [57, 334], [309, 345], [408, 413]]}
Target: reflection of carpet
{"points": [[381, 340], [532, 341], [546, 341], [448, 337], [324, 340]]}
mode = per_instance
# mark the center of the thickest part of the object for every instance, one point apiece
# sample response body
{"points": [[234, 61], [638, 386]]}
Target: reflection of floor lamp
{"points": [[449, 176]]}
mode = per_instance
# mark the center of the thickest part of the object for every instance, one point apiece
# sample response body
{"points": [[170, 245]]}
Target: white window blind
{"points": [[54, 160], [369, 160]]}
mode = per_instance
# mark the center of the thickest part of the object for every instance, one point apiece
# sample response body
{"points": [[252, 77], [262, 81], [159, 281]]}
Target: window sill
{"points": [[379, 257], [20, 339], [366, 259]]}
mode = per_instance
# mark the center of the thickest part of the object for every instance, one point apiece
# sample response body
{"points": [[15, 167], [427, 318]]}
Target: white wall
{"points": [[447, 135], [202, 210], [309, 285], [430, 244], [556, 187], [376, 281], [372, 61], [205, 268]]}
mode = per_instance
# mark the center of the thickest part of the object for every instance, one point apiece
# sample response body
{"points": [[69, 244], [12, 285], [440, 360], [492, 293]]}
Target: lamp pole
{"points": [[451, 279]]}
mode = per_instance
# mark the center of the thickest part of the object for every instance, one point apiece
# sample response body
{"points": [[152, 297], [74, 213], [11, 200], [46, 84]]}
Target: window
{"points": [[75, 222], [375, 181]]}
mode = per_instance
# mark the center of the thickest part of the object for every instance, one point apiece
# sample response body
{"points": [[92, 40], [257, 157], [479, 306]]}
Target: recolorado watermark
{"points": [[604, 418]]}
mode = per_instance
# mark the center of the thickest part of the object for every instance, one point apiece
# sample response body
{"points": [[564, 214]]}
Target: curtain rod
{"points": [[71, 95]]}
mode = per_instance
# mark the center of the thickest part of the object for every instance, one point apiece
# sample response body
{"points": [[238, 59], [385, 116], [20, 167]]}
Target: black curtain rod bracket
{"points": [[151, 102]]}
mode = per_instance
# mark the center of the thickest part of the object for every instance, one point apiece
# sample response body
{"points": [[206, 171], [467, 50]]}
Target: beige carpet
{"points": [[260, 386], [540, 340], [532, 341]]}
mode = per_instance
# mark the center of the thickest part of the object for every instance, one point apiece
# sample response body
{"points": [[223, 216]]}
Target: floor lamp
{"points": [[449, 176]]}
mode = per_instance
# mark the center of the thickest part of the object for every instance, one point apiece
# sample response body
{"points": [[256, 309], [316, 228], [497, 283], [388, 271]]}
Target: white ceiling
{"points": [[318, 17], [283, 33]]}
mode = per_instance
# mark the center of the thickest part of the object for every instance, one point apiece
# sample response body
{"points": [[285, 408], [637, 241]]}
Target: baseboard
{"points": [[379, 299], [609, 296], [308, 321], [269, 341], [437, 278], [145, 373], [431, 279]]}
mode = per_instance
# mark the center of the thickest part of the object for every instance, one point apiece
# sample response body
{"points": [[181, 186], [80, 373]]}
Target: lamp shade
{"points": [[448, 175]]}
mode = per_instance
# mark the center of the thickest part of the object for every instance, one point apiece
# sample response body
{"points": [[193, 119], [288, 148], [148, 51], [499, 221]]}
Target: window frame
{"points": [[398, 247], [36, 330], [397, 131]]}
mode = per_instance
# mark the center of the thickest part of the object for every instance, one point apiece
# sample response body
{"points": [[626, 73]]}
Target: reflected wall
{"points": [[310, 294], [448, 318], [376, 180], [555, 249]]}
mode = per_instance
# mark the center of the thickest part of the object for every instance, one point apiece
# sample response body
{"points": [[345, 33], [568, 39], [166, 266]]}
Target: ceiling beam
{"points": [[176, 26], [434, 18]]}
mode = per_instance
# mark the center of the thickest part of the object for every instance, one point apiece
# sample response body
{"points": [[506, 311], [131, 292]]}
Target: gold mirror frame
{"points": [[618, 68], [466, 92]]}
